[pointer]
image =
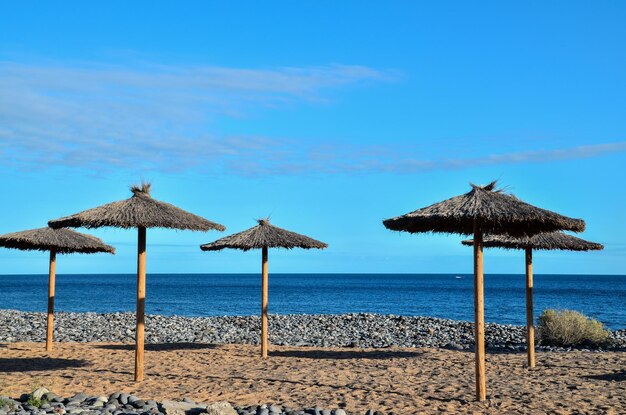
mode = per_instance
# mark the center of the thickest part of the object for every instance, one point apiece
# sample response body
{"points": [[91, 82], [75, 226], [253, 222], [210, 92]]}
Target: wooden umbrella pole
{"points": [[141, 302], [264, 289], [479, 314], [530, 323], [51, 284]]}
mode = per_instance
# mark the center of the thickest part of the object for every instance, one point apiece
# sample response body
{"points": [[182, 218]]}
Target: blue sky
{"points": [[327, 117]]}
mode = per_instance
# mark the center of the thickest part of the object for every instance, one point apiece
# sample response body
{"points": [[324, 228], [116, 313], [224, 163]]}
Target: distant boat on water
{"points": [[458, 277]]}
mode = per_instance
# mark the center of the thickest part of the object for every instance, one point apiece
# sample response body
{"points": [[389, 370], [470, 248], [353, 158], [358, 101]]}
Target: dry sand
{"points": [[407, 381]]}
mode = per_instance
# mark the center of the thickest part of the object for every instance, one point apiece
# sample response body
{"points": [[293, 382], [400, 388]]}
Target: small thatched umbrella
{"points": [[482, 210], [264, 236], [541, 241], [61, 241], [140, 211]]}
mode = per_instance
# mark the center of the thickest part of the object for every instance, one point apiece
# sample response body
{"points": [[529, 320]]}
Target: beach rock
{"points": [[339, 412], [39, 393], [180, 408], [52, 397], [79, 397], [220, 408]]}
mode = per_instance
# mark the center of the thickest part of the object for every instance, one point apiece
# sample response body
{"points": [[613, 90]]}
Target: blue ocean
{"points": [[439, 295]]}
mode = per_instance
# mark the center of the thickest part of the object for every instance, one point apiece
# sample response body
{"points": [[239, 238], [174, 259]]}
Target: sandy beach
{"points": [[404, 380]]}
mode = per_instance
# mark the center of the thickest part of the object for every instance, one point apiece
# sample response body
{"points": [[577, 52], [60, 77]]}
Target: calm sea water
{"points": [[439, 295]]}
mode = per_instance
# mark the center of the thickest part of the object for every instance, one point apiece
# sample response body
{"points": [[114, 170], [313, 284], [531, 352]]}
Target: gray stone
{"points": [[50, 397], [263, 411], [139, 403], [123, 398], [326, 412], [188, 400], [79, 397], [220, 408], [39, 393], [340, 412], [181, 408], [275, 408]]}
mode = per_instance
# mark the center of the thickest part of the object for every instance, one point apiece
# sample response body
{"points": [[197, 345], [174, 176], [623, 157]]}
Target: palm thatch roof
{"points": [[542, 241], [140, 210], [496, 211], [63, 241], [264, 235]]}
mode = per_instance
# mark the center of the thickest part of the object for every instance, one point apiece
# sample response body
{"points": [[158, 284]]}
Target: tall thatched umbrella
{"points": [[541, 241], [140, 211], [482, 210], [264, 236], [62, 241]]}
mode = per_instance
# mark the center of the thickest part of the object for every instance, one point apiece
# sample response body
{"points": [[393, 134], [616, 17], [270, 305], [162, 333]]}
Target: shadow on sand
{"points": [[29, 364], [346, 354], [609, 377], [158, 347]]}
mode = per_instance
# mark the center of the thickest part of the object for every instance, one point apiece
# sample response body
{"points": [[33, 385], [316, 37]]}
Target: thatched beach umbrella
{"points": [[482, 210], [57, 241], [264, 236], [140, 211], [541, 241]]}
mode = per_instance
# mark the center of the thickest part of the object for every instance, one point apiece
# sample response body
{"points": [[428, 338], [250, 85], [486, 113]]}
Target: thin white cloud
{"points": [[153, 117], [374, 159]]}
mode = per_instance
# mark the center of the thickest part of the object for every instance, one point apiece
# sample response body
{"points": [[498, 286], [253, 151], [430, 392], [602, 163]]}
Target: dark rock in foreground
{"points": [[37, 403]]}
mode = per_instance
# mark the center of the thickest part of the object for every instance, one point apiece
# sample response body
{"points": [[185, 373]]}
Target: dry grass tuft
{"points": [[570, 328]]}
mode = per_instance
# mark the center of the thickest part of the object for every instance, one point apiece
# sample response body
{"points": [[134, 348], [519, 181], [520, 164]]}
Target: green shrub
{"points": [[570, 328], [6, 403], [36, 402]]}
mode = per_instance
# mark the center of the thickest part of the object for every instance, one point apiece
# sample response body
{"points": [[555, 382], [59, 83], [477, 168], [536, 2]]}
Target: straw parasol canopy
{"points": [[540, 241], [484, 209], [496, 211], [264, 236], [62, 241], [139, 211], [548, 241]]}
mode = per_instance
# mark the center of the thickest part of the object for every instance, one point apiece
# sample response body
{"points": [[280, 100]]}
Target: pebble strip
{"points": [[43, 402], [326, 330]]}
